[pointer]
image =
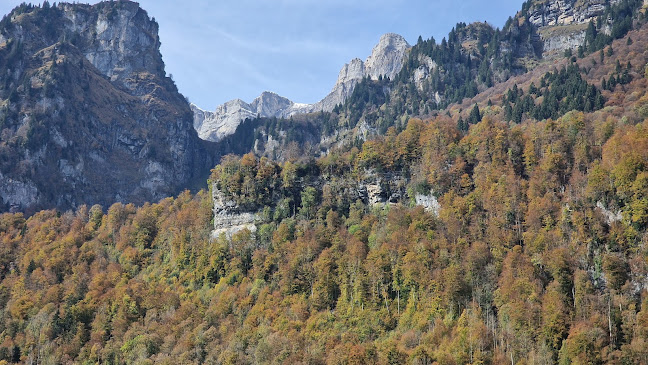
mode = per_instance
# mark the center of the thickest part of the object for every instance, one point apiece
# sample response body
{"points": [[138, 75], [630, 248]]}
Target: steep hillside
{"points": [[445, 77], [506, 226], [86, 111], [491, 242]]}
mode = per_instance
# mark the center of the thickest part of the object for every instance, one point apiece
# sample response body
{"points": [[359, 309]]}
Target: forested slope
{"points": [[537, 254]]}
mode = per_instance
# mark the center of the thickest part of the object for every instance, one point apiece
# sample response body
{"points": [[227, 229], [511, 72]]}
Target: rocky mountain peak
{"points": [[269, 103], [117, 38], [387, 56], [216, 125], [386, 60]]}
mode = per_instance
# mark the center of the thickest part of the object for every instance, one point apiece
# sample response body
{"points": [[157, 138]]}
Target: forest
{"points": [[538, 255]]}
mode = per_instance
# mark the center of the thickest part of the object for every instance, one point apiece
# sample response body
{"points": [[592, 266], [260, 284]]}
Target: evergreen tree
{"points": [[462, 125], [475, 115]]}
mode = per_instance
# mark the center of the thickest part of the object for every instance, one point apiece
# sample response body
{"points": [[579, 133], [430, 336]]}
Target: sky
{"points": [[219, 50]]}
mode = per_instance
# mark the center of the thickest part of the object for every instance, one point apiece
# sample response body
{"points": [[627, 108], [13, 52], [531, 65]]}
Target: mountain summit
{"points": [[386, 60], [214, 126]]}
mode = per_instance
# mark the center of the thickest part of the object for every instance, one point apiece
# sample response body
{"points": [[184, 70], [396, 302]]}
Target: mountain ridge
{"points": [[385, 60], [553, 27]]}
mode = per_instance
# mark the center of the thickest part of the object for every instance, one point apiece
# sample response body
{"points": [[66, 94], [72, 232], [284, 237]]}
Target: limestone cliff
{"points": [[117, 39], [373, 188], [228, 217], [565, 12], [562, 23], [87, 113]]}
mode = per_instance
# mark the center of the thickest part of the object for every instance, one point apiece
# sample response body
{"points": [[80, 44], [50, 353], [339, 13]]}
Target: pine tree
{"points": [[475, 115], [462, 125]]}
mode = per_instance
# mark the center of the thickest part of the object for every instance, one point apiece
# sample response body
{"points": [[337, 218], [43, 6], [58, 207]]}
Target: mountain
{"points": [[386, 60], [473, 58], [486, 205], [87, 113], [216, 125]]}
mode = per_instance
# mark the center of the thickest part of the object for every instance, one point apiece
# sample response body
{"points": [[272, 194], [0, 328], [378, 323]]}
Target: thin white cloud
{"points": [[275, 46]]}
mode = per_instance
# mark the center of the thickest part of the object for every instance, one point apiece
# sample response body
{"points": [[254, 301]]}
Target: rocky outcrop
{"points": [[118, 39], [557, 39], [228, 217], [380, 189], [386, 60], [566, 12], [610, 216], [373, 188], [16, 194], [88, 114], [562, 23], [429, 203]]}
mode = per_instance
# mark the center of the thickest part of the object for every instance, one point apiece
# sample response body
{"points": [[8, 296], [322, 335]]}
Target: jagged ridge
{"points": [[386, 60]]}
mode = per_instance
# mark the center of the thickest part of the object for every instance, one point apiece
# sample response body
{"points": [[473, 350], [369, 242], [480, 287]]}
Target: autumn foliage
{"points": [[538, 253]]}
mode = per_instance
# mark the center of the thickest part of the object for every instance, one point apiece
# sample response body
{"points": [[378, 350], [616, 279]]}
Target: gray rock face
{"points": [[100, 122], [556, 42], [422, 75], [228, 217], [386, 60], [387, 56], [562, 12], [17, 194], [118, 41], [380, 189], [562, 23], [429, 203]]}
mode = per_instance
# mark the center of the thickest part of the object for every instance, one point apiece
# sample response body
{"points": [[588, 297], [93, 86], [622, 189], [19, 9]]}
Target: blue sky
{"points": [[218, 50]]}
